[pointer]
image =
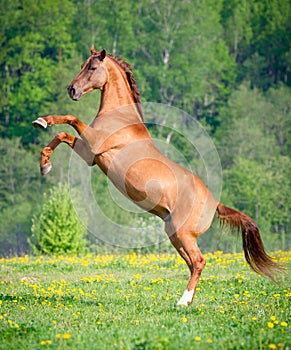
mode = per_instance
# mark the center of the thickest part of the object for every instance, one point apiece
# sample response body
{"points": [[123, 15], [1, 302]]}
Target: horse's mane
{"points": [[127, 68]]}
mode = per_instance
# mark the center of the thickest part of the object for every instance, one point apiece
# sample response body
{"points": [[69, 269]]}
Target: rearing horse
{"points": [[120, 144]]}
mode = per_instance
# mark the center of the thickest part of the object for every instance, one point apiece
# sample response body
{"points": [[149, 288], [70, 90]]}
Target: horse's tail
{"points": [[253, 247]]}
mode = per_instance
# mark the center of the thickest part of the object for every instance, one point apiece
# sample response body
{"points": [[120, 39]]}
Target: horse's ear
{"points": [[102, 55], [92, 49]]}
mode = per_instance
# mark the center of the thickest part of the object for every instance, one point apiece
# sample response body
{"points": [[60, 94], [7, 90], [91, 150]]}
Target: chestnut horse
{"points": [[120, 144]]}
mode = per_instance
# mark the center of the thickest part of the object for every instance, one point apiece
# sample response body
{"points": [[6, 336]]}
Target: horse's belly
{"points": [[162, 187]]}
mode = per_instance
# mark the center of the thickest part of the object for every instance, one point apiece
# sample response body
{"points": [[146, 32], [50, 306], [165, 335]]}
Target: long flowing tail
{"points": [[253, 247]]}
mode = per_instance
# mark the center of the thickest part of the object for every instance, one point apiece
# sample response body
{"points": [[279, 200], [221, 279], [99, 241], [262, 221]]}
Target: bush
{"points": [[57, 230]]}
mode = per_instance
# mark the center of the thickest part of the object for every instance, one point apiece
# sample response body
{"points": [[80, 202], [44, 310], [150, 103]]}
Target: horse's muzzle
{"points": [[74, 93]]}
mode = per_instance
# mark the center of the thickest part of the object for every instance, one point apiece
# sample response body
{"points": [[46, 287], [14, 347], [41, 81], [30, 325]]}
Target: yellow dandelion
{"points": [[270, 325], [197, 338], [273, 318], [209, 340], [184, 319], [272, 346], [284, 324], [45, 342], [254, 318], [66, 336]]}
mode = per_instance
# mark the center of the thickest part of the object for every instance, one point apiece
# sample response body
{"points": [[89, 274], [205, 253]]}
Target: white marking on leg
{"points": [[187, 298]]}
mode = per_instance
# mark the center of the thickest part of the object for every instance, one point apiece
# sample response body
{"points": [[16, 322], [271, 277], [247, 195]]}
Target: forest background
{"points": [[225, 63]]}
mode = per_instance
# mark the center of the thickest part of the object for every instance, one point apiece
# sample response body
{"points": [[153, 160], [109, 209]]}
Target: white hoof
{"points": [[187, 298], [39, 123], [45, 169]]}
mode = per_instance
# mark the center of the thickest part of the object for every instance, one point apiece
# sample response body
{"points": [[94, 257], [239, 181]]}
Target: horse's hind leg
{"points": [[79, 146], [186, 245]]}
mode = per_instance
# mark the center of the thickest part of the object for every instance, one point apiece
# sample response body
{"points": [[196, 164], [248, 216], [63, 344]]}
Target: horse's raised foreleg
{"points": [[186, 245], [79, 146], [87, 133], [49, 120]]}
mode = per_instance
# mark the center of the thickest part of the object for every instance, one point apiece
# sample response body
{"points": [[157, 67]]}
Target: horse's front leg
{"points": [[88, 134], [49, 120], [79, 146]]}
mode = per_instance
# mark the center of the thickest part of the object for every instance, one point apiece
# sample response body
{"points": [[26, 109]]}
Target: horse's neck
{"points": [[116, 93]]}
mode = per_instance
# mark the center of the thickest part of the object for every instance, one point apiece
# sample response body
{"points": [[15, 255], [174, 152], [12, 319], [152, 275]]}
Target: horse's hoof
{"points": [[39, 123], [180, 303], [45, 169], [187, 298]]}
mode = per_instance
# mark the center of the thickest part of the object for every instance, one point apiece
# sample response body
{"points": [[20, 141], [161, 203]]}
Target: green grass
{"points": [[128, 302]]}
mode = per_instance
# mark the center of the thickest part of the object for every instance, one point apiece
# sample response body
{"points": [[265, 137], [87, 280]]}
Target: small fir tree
{"points": [[57, 230]]}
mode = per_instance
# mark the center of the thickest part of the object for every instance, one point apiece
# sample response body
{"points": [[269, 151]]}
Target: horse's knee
{"points": [[61, 136], [72, 120]]}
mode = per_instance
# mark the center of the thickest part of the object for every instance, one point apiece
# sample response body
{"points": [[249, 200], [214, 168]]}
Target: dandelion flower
{"points": [[45, 342], [284, 324], [184, 319], [197, 338], [270, 325], [66, 336]]}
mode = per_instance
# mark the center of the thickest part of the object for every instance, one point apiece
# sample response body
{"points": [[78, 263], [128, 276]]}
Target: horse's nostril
{"points": [[71, 90]]}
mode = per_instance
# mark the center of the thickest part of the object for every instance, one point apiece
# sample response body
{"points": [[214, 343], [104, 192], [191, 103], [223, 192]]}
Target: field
{"points": [[128, 302]]}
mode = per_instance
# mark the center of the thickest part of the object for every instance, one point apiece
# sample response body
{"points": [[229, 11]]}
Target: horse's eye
{"points": [[93, 68]]}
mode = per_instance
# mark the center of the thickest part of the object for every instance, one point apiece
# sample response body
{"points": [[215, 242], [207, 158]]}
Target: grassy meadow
{"points": [[128, 302]]}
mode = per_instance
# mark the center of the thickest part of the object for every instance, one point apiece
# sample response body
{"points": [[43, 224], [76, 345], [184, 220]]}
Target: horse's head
{"points": [[93, 75]]}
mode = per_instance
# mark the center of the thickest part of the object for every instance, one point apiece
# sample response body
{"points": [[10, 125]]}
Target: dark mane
{"points": [[126, 67]]}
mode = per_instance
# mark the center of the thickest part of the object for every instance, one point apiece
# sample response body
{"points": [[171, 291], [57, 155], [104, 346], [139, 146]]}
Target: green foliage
{"points": [[35, 39], [258, 190], [57, 229], [20, 187], [253, 145], [253, 125], [258, 35]]}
